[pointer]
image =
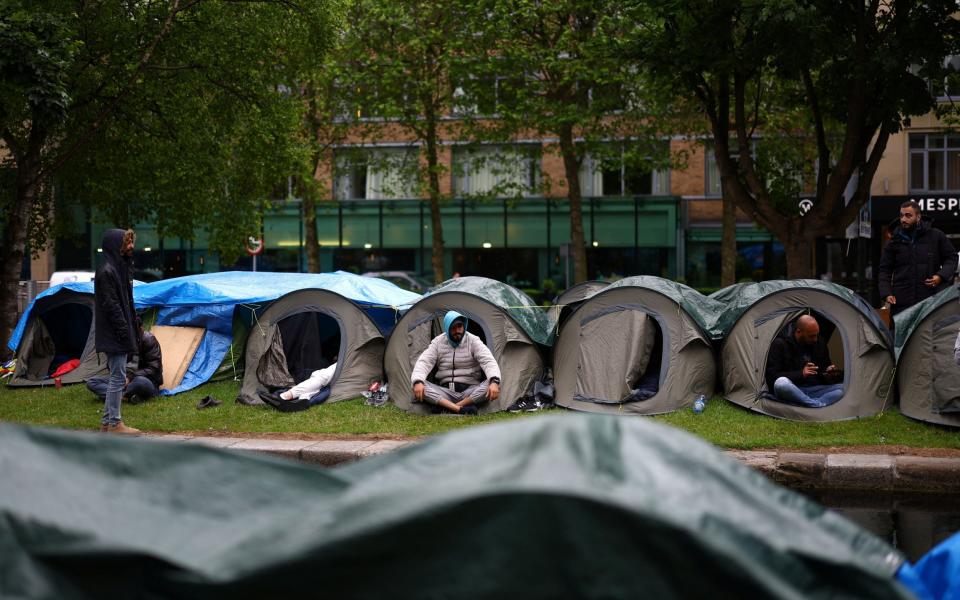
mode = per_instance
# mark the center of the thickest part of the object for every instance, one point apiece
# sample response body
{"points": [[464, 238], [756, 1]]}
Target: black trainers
{"points": [[469, 410], [521, 405]]}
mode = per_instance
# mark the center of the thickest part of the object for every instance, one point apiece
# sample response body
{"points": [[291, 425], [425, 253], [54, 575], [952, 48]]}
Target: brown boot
{"points": [[119, 428]]}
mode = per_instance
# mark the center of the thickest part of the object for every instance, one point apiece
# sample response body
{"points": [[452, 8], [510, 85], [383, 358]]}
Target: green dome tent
{"points": [[301, 332], [640, 333], [571, 298], [751, 315], [516, 330], [928, 377]]}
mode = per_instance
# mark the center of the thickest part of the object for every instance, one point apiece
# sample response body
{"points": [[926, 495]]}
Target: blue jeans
{"points": [[117, 364], [139, 386], [813, 396]]}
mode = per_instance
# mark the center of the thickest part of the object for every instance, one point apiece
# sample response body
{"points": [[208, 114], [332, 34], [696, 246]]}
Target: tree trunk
{"points": [[436, 225], [799, 250], [15, 239], [571, 167], [728, 243], [309, 208]]}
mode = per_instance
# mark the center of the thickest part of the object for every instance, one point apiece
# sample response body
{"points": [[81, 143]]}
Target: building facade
{"points": [[505, 215]]}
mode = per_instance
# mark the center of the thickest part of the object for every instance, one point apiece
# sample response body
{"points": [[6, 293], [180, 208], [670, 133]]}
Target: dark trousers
{"points": [[140, 386]]}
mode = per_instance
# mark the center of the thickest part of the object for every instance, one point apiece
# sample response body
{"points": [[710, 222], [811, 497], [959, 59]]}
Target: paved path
{"points": [[863, 472]]}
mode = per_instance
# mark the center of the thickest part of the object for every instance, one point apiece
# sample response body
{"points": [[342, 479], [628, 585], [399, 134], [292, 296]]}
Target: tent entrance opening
{"points": [[833, 340], [621, 358], [67, 328], [311, 341]]}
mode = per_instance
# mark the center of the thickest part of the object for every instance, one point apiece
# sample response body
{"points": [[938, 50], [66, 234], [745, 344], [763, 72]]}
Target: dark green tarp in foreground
{"points": [[547, 507]]}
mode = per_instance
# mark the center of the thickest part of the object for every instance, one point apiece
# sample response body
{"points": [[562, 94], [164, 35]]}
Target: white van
{"points": [[59, 277]]}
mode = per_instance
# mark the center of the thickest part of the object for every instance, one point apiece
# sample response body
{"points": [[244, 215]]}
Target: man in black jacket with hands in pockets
{"points": [[115, 320], [916, 263]]}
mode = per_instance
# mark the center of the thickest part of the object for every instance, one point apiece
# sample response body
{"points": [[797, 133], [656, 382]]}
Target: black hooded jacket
{"points": [[788, 356], [113, 292], [908, 260], [150, 363]]}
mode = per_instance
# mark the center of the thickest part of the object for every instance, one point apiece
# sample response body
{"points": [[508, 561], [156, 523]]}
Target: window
{"points": [[711, 182], [496, 170], [365, 100], [608, 97], [484, 95], [614, 176], [711, 178], [948, 88], [783, 171], [352, 101], [934, 162], [381, 174]]}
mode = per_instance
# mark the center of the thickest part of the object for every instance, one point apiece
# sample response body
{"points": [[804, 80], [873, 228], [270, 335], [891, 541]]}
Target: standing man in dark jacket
{"points": [[916, 262], [116, 334], [799, 369], [142, 382]]}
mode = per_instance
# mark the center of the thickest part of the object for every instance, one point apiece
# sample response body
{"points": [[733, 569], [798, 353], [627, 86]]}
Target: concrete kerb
{"points": [[853, 472], [857, 472], [325, 453]]}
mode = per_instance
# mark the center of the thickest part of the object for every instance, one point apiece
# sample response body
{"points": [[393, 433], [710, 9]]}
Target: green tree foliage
{"points": [[799, 96], [561, 77], [393, 71], [184, 112]]}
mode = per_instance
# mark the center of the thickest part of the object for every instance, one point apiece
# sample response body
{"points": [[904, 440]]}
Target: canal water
{"points": [[912, 523]]}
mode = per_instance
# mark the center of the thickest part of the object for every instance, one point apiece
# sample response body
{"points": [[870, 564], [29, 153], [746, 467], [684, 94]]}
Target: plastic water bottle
{"points": [[699, 404]]}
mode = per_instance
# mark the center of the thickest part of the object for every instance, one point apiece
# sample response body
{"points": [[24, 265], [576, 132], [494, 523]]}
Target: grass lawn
{"points": [[722, 423]]}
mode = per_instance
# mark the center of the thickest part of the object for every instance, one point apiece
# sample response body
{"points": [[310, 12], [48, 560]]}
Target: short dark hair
{"points": [[912, 204]]}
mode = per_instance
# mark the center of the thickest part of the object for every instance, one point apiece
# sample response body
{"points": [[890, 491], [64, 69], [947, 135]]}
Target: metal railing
{"points": [[27, 291]]}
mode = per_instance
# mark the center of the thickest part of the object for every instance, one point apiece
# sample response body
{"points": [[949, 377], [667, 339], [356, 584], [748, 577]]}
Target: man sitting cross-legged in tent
{"points": [[460, 359], [799, 369], [143, 382]]}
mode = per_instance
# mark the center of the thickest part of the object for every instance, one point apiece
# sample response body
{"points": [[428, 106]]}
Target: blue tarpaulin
{"points": [[209, 301], [936, 576]]}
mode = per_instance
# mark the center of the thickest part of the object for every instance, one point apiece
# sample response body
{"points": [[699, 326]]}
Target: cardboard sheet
{"points": [[177, 346]]}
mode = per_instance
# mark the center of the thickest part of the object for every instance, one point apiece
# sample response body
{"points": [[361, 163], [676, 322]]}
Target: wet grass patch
{"points": [[722, 423]]}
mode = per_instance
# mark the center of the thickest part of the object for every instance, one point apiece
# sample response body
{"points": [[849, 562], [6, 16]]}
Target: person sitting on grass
{"points": [[145, 380], [460, 359], [310, 387], [799, 369]]}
